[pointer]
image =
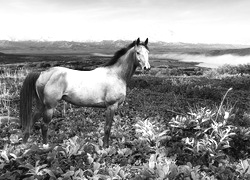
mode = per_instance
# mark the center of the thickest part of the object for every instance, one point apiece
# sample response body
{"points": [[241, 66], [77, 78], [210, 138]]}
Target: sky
{"points": [[188, 21]]}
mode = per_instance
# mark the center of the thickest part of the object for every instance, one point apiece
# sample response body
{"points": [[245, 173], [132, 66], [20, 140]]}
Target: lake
{"points": [[206, 61]]}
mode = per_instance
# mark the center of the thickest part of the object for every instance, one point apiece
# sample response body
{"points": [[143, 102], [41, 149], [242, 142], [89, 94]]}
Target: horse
{"points": [[103, 87]]}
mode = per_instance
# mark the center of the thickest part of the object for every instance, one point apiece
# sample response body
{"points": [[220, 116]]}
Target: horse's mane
{"points": [[121, 52]]}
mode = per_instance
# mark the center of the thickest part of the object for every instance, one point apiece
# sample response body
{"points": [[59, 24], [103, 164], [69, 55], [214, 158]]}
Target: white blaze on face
{"points": [[142, 57], [145, 52]]}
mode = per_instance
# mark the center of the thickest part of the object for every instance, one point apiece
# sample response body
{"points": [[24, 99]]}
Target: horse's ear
{"points": [[138, 41], [134, 42], [146, 42]]}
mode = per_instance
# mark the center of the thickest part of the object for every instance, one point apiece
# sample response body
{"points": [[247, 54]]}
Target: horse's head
{"points": [[141, 54]]}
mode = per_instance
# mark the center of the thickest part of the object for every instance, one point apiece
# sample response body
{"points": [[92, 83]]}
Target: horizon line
{"points": [[126, 40]]}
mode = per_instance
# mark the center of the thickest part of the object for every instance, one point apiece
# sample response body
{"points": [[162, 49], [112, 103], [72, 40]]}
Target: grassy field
{"points": [[170, 127]]}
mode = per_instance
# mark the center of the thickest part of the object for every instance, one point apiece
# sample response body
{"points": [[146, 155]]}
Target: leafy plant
{"points": [[73, 174], [37, 171], [6, 155], [150, 132], [244, 168], [72, 146]]}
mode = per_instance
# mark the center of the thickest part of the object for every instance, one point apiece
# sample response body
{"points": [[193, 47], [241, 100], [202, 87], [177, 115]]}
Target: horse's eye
{"points": [[137, 53]]}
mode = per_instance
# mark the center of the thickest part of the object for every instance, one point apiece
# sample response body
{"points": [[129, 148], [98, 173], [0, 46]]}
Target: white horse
{"points": [[103, 87]]}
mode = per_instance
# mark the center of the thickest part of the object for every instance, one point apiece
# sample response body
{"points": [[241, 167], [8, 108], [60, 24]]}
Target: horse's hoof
{"points": [[45, 146]]}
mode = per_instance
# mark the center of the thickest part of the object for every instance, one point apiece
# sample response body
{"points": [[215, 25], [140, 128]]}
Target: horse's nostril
{"points": [[147, 69]]}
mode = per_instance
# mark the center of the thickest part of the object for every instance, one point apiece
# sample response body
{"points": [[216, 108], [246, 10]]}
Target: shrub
{"points": [[211, 74], [226, 70]]}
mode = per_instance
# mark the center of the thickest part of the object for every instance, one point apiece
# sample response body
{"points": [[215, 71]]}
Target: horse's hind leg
{"points": [[47, 116], [34, 118]]}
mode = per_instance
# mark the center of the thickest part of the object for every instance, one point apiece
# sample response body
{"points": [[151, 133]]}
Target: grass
{"points": [[10, 83], [170, 127]]}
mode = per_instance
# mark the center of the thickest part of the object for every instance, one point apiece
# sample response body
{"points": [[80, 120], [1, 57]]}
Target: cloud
{"points": [[189, 21]]}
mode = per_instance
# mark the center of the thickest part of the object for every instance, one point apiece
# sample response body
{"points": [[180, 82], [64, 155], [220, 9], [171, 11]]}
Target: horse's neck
{"points": [[125, 67]]}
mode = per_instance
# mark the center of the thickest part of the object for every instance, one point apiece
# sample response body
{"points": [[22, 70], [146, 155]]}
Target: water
{"points": [[207, 61]]}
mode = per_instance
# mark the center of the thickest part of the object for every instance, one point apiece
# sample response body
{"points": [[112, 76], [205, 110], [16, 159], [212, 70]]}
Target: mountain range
{"points": [[110, 46]]}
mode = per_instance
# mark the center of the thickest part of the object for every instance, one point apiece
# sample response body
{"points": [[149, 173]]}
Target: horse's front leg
{"points": [[107, 128]]}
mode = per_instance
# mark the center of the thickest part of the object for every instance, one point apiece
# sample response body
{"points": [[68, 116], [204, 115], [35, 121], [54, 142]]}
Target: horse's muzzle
{"points": [[147, 68]]}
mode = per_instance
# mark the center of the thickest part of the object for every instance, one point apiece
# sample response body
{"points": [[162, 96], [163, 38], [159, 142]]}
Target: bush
{"points": [[227, 69], [212, 74]]}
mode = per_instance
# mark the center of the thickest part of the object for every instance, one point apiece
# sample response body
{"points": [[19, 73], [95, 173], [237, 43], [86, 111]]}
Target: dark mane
{"points": [[121, 52]]}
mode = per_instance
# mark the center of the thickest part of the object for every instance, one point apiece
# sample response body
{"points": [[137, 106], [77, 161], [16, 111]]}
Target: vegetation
{"points": [[170, 127], [225, 70]]}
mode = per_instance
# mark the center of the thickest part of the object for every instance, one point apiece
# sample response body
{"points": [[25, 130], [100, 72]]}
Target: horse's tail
{"points": [[28, 92]]}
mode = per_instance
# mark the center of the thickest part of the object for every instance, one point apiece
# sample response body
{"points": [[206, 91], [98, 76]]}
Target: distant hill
{"points": [[110, 46], [59, 46]]}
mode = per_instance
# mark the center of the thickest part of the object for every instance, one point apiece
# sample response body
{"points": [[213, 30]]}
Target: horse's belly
{"points": [[95, 97], [90, 98]]}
